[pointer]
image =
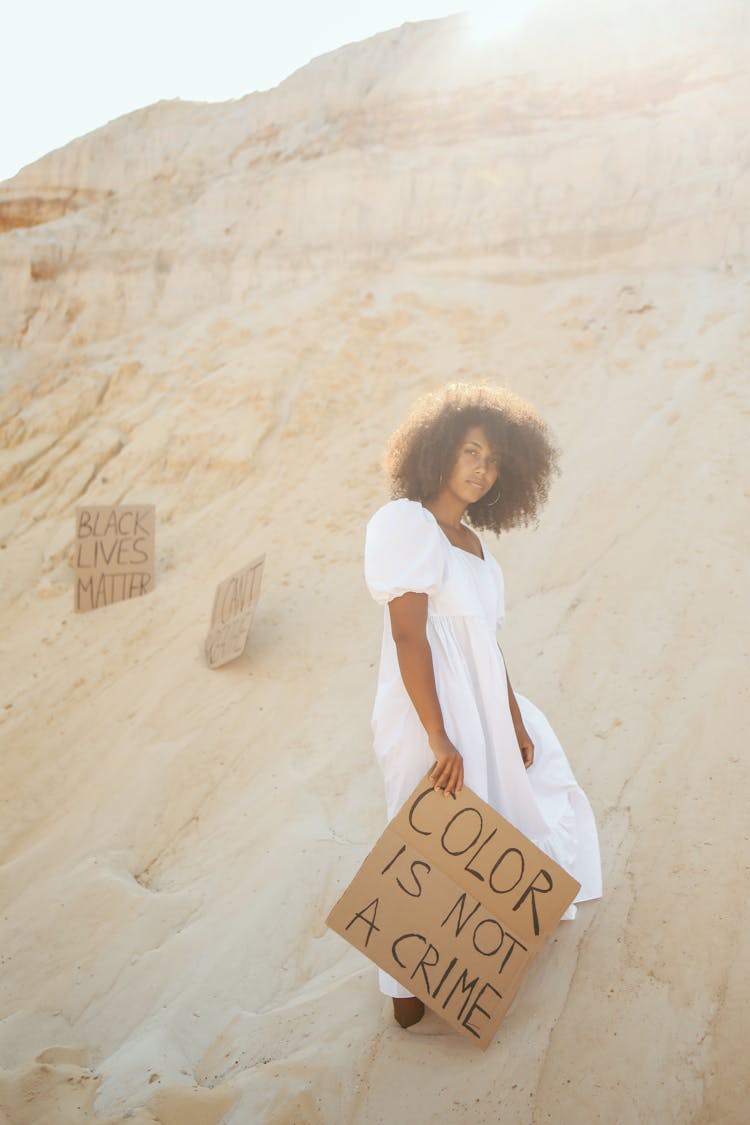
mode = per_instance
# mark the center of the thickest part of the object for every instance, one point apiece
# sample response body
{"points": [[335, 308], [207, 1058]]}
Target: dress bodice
{"points": [[406, 550]]}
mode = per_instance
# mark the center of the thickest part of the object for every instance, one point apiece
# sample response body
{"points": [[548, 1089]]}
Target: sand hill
{"points": [[223, 310]]}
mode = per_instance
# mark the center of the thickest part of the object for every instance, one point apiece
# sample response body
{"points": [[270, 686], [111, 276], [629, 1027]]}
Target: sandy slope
{"points": [[228, 325]]}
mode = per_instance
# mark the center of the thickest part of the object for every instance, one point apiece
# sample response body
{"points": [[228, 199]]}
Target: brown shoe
{"points": [[407, 1010]]}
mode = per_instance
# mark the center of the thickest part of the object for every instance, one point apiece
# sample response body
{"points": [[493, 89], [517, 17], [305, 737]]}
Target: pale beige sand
{"points": [[173, 837]]}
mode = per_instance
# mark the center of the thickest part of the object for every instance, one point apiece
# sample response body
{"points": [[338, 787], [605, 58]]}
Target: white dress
{"points": [[406, 550]]}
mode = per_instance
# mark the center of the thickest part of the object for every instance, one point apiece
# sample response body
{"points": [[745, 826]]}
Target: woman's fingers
{"points": [[448, 774], [450, 780], [455, 777], [441, 773]]}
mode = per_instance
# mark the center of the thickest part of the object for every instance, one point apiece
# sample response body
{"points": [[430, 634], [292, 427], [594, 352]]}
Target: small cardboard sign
{"points": [[114, 554], [454, 902], [234, 605]]}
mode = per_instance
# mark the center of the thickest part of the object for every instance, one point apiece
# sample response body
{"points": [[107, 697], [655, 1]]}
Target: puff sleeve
{"points": [[403, 552]]}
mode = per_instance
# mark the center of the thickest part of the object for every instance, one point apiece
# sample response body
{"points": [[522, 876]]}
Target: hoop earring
{"points": [[493, 502]]}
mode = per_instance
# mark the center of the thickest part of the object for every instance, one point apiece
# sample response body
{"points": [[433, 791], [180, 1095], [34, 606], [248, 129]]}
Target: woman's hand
{"points": [[448, 772], [525, 745]]}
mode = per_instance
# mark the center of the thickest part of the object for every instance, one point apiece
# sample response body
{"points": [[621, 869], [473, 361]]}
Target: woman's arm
{"points": [[525, 744], [408, 615]]}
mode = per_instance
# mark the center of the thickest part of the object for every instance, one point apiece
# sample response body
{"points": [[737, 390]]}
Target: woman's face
{"points": [[475, 469]]}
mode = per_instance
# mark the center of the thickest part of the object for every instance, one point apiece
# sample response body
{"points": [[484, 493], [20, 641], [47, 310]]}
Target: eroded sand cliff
{"points": [[223, 310]]}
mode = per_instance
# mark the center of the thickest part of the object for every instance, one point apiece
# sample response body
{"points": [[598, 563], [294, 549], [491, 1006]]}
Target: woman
{"points": [[444, 702]]}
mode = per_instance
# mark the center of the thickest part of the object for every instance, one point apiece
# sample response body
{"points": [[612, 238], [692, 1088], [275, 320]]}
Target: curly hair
{"points": [[422, 452]]}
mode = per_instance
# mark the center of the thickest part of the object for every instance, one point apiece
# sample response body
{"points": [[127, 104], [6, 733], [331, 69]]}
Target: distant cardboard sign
{"points": [[454, 902], [234, 605], [114, 554]]}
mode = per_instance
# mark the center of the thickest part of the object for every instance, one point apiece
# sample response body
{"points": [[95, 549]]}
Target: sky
{"points": [[69, 66]]}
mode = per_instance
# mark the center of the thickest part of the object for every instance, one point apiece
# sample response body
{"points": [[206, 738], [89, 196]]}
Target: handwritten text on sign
{"points": [[234, 605], [454, 902], [114, 554]]}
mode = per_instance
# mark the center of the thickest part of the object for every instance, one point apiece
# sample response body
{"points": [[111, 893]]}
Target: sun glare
{"points": [[498, 20]]}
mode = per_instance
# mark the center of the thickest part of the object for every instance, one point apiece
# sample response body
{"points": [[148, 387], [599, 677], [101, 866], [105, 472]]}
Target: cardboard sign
{"points": [[454, 902], [114, 554], [234, 605]]}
